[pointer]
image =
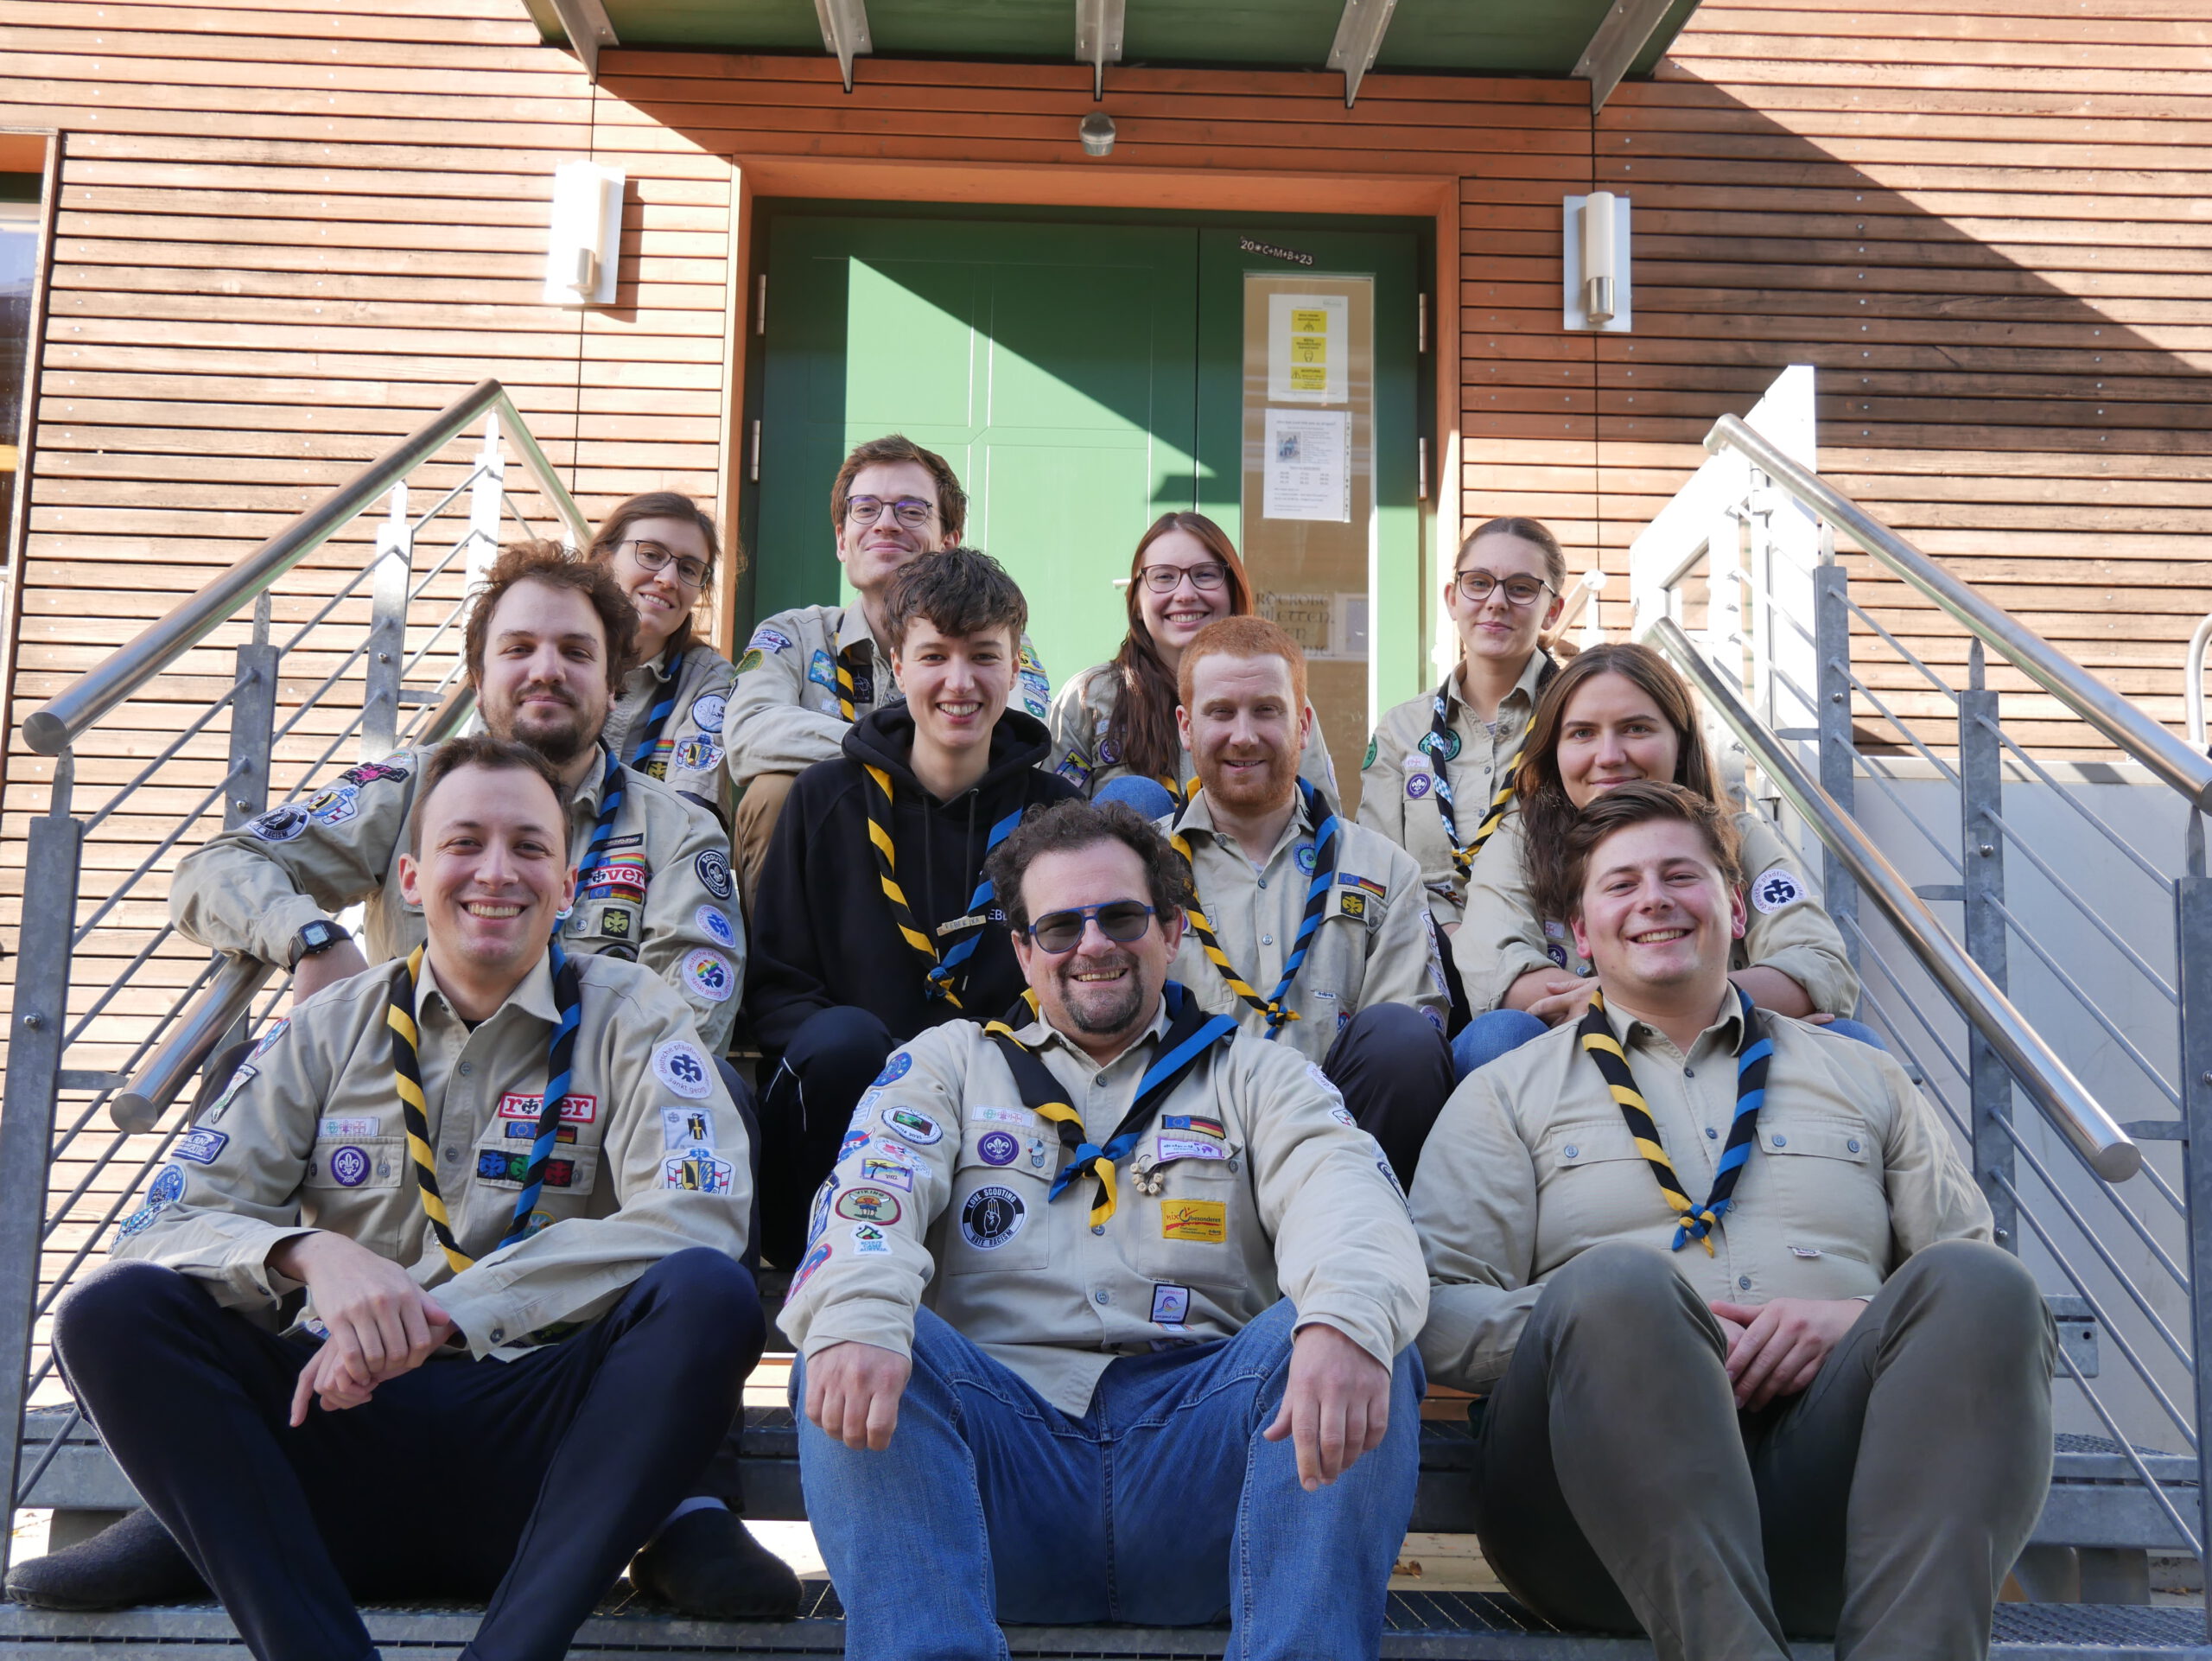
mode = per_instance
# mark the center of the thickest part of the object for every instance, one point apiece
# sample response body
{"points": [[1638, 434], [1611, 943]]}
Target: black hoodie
{"points": [[822, 931]]}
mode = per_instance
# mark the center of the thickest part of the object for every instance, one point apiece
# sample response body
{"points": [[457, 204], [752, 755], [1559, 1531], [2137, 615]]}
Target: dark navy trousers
{"points": [[806, 1106], [530, 1482], [1393, 1069]]}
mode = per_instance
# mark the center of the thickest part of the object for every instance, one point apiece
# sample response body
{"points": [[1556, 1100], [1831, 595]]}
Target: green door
{"points": [[1054, 366], [1085, 378]]}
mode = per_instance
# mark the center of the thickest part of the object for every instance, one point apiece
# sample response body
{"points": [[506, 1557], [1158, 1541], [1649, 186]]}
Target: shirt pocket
{"points": [[1188, 1206], [501, 1157], [1822, 1175], [995, 1219], [348, 1162], [614, 922]]}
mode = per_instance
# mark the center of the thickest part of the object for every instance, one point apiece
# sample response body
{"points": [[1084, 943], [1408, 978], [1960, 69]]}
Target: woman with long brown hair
{"points": [[1113, 726], [1615, 714]]}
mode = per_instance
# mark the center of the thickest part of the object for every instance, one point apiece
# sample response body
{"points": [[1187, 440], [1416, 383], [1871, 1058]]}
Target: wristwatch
{"points": [[316, 938]]}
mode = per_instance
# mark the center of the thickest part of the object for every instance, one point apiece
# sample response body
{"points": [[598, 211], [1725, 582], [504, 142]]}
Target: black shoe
{"points": [[707, 1564], [132, 1561]]}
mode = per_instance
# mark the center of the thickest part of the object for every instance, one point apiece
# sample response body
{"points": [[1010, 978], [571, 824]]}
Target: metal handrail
{"points": [[2192, 685], [2186, 769], [181, 1056], [2049, 1084], [58, 723]]}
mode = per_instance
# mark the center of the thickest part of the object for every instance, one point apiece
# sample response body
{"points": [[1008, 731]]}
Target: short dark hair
{"points": [[477, 750], [1643, 802], [1077, 822], [962, 590], [614, 529], [549, 562], [889, 451]]}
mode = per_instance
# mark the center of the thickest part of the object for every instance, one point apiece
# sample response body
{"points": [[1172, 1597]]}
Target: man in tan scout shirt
{"points": [[1122, 1236], [513, 1191], [1311, 931], [546, 640], [1753, 1366]]}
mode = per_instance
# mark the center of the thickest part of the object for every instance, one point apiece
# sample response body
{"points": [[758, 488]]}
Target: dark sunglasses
{"points": [[1119, 920]]}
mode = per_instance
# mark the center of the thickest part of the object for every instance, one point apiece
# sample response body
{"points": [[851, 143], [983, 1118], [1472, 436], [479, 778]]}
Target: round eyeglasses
{"points": [[1060, 932]]}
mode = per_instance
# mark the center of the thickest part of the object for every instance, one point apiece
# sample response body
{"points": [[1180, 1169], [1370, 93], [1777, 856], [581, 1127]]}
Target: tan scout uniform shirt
{"points": [[943, 1203], [1397, 792], [784, 715], [1086, 705], [1501, 938], [666, 898], [1530, 1164], [1376, 944], [688, 756], [309, 1135]]}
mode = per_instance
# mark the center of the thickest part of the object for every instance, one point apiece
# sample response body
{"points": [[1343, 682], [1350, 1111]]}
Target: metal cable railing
{"points": [[152, 1010]]}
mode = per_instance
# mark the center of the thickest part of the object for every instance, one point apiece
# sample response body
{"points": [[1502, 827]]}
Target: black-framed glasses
{"points": [[1166, 579], [910, 511], [1521, 590], [654, 557], [1119, 920]]}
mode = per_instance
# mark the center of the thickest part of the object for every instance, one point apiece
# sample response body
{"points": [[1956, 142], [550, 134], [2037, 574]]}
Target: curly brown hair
{"points": [[549, 562], [1077, 822]]}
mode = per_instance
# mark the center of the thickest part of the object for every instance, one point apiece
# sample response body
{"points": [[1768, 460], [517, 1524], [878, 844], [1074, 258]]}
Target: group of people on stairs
{"points": [[1139, 1136]]}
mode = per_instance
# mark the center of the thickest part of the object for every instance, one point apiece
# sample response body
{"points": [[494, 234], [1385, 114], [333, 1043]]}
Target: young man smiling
{"points": [[524, 1321], [1105, 1314], [809, 674], [1310, 930], [873, 920], [1752, 1367]]}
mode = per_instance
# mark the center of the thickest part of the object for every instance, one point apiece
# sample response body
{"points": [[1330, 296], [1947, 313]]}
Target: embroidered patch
{"points": [[698, 755], [346, 1129], [1352, 905], [868, 1206], [371, 773], [714, 925], [992, 1216], [1342, 1116], [1445, 750], [1374, 750], [1365, 884], [686, 1127], [889, 1173], [895, 1069], [713, 866], [914, 1124], [817, 1214], [822, 671], [1554, 929], [518, 1131], [893, 1149], [766, 639], [679, 1064], [1777, 889], [1204, 1221], [268, 1040], [749, 662], [1418, 785], [1171, 1305], [1173, 1148], [812, 1261], [868, 1240], [1110, 753], [854, 1141], [707, 711], [710, 975], [280, 824], [246, 1074], [1021, 1115], [998, 1147], [349, 1166], [335, 806], [614, 922], [199, 1145], [574, 1109], [1072, 769], [1305, 859], [697, 1172], [505, 1165]]}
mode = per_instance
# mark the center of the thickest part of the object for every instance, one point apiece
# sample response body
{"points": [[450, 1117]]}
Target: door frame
{"points": [[1167, 193]]}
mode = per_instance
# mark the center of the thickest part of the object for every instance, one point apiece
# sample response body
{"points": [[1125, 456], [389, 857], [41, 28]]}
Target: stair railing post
{"points": [[486, 503], [1839, 754], [1981, 858], [2193, 954], [387, 648], [38, 1031]]}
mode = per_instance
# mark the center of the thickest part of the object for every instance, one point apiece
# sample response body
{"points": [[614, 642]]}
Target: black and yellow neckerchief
{"points": [[1438, 744], [848, 663], [1327, 838], [1191, 1032], [940, 971], [1754, 1049], [407, 1070]]}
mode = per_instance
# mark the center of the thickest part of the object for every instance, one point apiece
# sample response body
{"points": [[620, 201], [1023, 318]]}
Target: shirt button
{"points": [[1263, 882], [1267, 940], [1710, 1134], [1781, 1141], [1098, 1228], [499, 1334], [1744, 1282], [451, 1153], [1689, 1073], [1103, 1297], [467, 1067], [1570, 1150], [1852, 1145]]}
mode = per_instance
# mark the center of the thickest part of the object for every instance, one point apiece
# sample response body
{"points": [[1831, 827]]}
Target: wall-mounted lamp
{"points": [[586, 246], [1097, 134], [1596, 261]]}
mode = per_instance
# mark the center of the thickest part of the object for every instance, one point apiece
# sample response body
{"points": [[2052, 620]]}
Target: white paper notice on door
{"points": [[1309, 343], [1307, 473]]}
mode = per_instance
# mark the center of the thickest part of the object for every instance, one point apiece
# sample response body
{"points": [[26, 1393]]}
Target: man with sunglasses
{"points": [[1312, 932], [807, 674], [873, 920], [1106, 1311]]}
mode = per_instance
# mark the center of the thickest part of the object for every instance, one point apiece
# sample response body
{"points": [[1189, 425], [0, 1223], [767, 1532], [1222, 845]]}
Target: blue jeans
{"points": [[1161, 1506]]}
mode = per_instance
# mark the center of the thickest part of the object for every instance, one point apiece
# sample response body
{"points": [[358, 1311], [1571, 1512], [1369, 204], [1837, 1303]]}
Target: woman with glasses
{"points": [[1614, 715], [1440, 767], [1114, 734], [666, 718]]}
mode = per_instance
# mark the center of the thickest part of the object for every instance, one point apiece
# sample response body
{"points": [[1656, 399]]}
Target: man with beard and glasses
{"points": [[1312, 932], [1106, 1311], [547, 636]]}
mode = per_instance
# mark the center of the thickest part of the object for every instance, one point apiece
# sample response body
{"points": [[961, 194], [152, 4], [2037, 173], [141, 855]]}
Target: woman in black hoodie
{"points": [[874, 919]]}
